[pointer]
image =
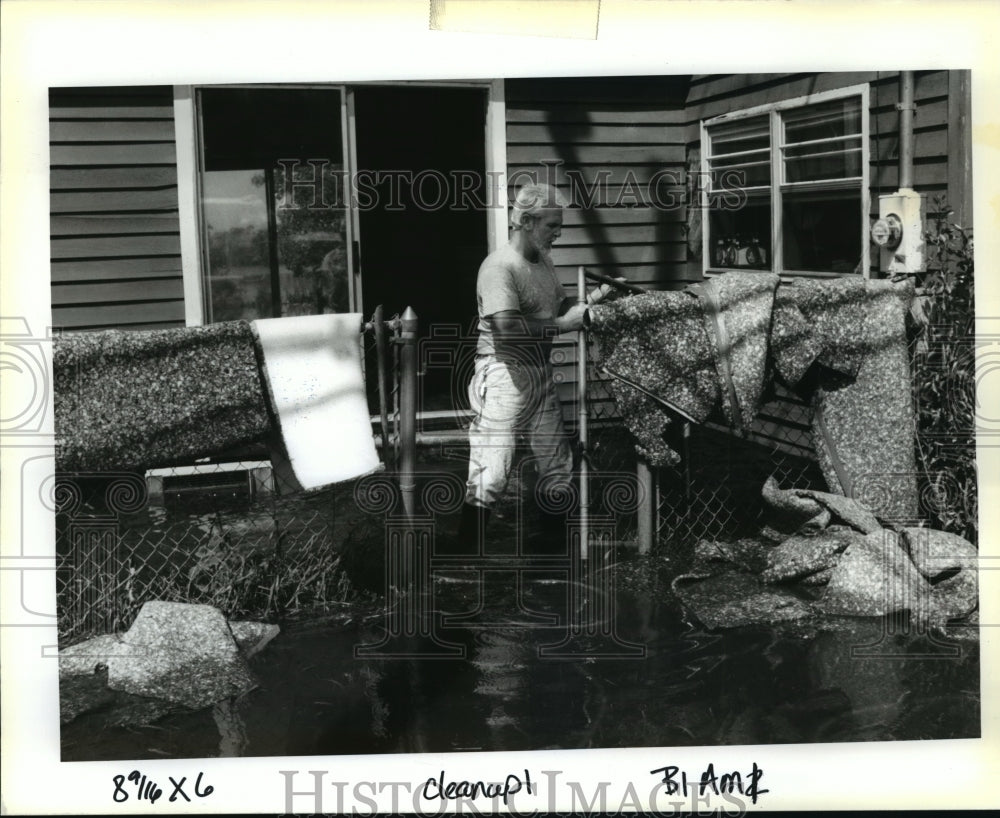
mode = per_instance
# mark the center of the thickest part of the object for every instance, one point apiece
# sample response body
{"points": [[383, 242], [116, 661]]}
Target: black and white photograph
{"points": [[404, 429]]}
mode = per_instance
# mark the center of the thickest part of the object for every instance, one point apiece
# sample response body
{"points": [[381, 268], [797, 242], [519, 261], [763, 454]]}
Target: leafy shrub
{"points": [[944, 379]]}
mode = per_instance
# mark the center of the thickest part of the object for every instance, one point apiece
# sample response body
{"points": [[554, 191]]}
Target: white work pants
{"points": [[511, 399]]}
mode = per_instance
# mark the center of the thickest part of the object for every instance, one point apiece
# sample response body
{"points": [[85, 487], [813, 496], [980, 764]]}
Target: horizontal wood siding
{"points": [[784, 422], [930, 131], [712, 95], [615, 147], [115, 232]]}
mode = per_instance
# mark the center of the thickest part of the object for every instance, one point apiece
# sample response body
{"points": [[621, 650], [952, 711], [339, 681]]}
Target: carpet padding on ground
{"points": [[181, 653], [847, 568]]}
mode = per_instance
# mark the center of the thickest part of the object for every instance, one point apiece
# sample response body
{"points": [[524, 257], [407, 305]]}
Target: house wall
{"points": [[116, 258], [941, 169], [114, 219], [615, 147], [115, 234], [941, 133], [624, 136]]}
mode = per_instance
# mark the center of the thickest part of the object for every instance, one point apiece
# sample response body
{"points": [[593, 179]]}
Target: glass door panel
{"points": [[234, 209], [311, 242], [276, 233]]}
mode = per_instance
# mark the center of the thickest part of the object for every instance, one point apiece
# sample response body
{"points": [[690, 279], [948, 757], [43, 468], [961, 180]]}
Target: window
{"points": [[787, 186], [275, 227]]}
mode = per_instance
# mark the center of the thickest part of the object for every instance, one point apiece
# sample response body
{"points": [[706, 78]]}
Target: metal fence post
{"points": [[408, 410], [582, 412], [646, 506], [384, 388]]}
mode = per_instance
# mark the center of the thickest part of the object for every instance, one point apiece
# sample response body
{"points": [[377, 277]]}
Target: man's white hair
{"points": [[532, 198]]}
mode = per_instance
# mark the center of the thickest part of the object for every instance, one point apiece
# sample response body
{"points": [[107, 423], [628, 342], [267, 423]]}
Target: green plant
{"points": [[944, 377]]}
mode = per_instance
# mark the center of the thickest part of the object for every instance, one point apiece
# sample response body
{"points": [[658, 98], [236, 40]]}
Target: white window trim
{"points": [[773, 108], [188, 198], [186, 136], [496, 165]]}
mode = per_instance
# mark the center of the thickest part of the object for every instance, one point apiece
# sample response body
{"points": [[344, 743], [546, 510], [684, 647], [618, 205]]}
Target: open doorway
{"points": [[424, 233]]}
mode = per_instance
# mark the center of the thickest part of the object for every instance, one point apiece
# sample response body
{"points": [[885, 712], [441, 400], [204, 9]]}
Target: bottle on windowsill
{"points": [[719, 255]]}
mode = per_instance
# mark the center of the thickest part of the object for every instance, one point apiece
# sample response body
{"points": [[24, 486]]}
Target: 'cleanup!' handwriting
{"points": [[437, 788]]}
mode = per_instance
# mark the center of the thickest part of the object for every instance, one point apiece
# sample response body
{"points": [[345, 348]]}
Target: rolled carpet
{"points": [[132, 401]]}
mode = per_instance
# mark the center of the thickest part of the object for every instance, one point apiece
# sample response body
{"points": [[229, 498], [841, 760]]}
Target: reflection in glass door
{"points": [[273, 214]]}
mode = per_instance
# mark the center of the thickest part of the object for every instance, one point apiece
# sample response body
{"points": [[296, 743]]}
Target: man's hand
{"points": [[598, 294], [572, 319]]}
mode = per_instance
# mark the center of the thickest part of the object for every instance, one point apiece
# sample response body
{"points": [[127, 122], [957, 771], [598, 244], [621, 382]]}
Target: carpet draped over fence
{"points": [[717, 346], [132, 401]]}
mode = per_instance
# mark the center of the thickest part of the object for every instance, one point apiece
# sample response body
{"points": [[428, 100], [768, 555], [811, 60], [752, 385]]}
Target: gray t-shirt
{"points": [[508, 281]]}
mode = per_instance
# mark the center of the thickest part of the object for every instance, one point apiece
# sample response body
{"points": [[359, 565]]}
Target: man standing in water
{"points": [[522, 307]]}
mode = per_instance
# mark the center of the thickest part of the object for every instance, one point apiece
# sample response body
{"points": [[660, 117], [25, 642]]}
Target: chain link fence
{"points": [[226, 533], [714, 492], [213, 544], [612, 454]]}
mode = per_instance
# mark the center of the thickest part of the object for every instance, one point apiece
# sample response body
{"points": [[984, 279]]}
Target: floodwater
{"points": [[532, 660]]}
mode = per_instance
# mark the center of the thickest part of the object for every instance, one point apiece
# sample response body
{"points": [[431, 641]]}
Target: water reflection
{"points": [[755, 685]]}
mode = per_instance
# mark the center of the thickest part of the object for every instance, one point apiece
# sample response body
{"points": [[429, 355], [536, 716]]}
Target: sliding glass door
{"points": [[275, 227]]}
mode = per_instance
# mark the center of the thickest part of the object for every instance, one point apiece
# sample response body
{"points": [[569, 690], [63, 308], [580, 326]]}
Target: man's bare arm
{"points": [[511, 327]]}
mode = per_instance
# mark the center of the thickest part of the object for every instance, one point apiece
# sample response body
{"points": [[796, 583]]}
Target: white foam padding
{"points": [[312, 366]]}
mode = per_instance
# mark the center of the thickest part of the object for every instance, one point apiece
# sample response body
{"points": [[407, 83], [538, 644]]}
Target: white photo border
{"points": [[48, 44]]}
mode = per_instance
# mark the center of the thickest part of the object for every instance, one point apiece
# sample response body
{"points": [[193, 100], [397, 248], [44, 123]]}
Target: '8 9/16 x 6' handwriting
{"points": [[146, 789]]}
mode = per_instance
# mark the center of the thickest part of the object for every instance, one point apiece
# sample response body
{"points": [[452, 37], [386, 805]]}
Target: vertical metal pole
{"points": [[381, 354], [646, 523], [397, 325], [582, 412], [906, 108], [686, 454], [272, 244], [408, 410]]}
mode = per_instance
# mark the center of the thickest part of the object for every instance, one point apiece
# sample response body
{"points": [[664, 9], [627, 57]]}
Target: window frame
{"points": [[354, 296], [778, 185], [189, 181]]}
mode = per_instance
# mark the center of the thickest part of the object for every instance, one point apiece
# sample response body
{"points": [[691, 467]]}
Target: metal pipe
{"points": [[646, 506], [397, 328], [581, 391], [272, 244], [906, 109], [670, 405], [429, 439], [408, 410], [381, 354], [624, 286], [686, 455]]}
